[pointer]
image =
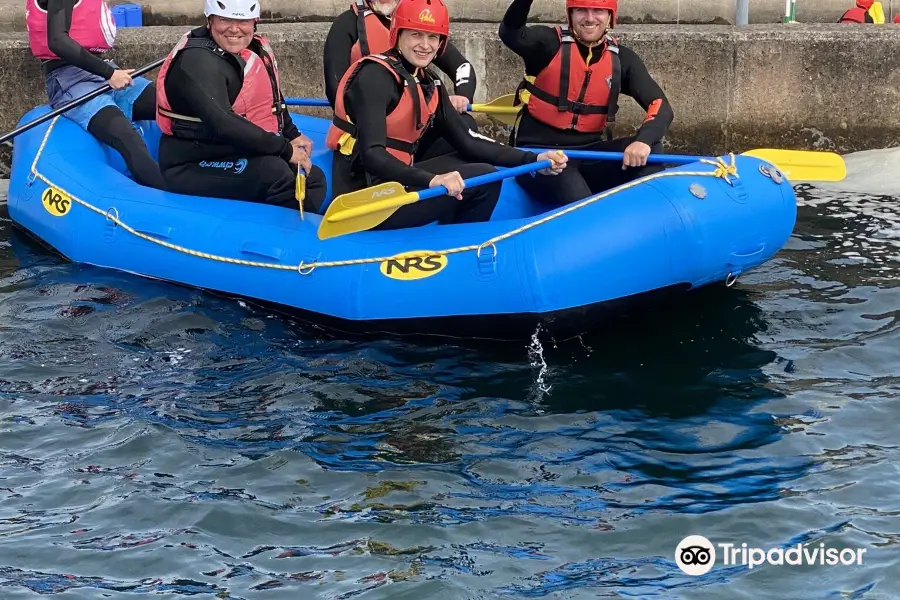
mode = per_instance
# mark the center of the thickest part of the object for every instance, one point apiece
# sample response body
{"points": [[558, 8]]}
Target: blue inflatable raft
{"points": [[686, 227]]}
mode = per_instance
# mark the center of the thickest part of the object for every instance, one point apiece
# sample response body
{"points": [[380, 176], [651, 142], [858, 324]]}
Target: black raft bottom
{"points": [[627, 316], [558, 325]]}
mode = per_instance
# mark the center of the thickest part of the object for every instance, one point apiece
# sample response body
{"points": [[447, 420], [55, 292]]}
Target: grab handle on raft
{"points": [[369, 207], [76, 102]]}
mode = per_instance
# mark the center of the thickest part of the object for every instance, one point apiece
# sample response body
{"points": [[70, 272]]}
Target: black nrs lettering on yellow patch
{"points": [[418, 264], [56, 201]]}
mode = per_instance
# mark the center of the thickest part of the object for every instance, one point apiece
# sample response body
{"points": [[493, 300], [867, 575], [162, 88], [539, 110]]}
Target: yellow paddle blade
{"points": [[804, 165], [505, 100], [502, 107], [496, 110], [363, 209]]}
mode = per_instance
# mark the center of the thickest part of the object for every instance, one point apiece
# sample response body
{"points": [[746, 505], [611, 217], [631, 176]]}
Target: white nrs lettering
{"points": [[463, 72], [475, 134], [383, 193]]}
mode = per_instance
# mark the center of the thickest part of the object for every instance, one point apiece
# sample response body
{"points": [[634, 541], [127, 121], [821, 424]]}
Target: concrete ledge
{"points": [[806, 87], [721, 12]]}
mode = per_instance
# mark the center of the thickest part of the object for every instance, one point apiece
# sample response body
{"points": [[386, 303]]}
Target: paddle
{"points": [[369, 207], [796, 165], [501, 106], [300, 189], [804, 165], [77, 101]]}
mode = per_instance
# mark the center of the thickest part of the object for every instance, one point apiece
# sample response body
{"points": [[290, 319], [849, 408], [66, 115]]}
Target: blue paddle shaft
{"points": [[488, 178], [306, 101], [600, 155], [576, 154], [320, 102]]}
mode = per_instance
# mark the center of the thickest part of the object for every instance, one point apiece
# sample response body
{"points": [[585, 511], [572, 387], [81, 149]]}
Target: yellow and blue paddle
{"points": [[501, 107], [369, 207], [797, 165]]}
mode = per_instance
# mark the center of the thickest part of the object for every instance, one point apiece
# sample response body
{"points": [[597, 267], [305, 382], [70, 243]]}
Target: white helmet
{"points": [[232, 9]]}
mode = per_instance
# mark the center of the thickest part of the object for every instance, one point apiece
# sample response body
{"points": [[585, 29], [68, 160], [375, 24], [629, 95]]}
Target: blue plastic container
{"points": [[127, 15], [133, 15], [118, 13]]}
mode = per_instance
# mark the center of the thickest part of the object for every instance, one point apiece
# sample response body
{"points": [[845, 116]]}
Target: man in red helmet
{"points": [[386, 102], [573, 77], [865, 11], [364, 29]]}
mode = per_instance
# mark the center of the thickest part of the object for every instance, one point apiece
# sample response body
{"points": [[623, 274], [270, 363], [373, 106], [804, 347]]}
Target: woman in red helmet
{"points": [[573, 77], [386, 102], [364, 28]]}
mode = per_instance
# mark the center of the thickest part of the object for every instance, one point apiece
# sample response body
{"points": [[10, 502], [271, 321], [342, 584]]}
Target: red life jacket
{"points": [[568, 94], [259, 100], [93, 27], [373, 37], [406, 123]]}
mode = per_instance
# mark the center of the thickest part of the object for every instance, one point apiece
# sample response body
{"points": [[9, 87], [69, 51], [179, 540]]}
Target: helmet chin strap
{"points": [[588, 44]]}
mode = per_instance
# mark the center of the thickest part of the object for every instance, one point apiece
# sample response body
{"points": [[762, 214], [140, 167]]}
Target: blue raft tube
{"points": [[567, 268]]}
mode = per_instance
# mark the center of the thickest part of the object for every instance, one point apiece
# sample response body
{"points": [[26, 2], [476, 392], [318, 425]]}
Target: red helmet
{"points": [[611, 5], [421, 15]]}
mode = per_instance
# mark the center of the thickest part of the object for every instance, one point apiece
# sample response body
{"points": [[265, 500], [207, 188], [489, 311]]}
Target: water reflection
{"points": [[265, 455]]}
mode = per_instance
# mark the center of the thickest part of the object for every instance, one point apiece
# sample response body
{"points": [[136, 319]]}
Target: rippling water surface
{"points": [[156, 439]]}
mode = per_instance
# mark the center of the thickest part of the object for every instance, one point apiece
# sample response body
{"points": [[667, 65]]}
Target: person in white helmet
{"points": [[226, 130], [70, 37]]}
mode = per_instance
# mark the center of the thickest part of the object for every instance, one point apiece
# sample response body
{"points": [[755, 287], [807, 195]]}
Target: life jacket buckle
{"points": [[577, 108]]}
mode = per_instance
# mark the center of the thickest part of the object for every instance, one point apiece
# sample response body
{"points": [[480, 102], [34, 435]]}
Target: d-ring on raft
{"points": [[567, 266]]}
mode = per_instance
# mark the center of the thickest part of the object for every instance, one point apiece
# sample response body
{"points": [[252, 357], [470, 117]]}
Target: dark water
{"points": [[158, 440]]}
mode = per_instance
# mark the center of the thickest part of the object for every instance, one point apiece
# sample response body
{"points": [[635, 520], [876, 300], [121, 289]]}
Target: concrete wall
{"points": [[830, 87], [179, 12]]}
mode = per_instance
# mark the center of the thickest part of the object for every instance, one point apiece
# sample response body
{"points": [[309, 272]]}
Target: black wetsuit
{"points": [[344, 34], [538, 45], [368, 99], [204, 85], [109, 125]]}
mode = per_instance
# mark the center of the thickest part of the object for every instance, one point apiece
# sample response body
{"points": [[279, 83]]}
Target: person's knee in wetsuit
{"points": [[586, 119], [72, 67], [381, 111], [364, 29], [227, 132]]}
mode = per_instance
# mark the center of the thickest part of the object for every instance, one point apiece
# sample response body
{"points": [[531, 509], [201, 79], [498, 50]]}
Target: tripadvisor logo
{"points": [[696, 555]]}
